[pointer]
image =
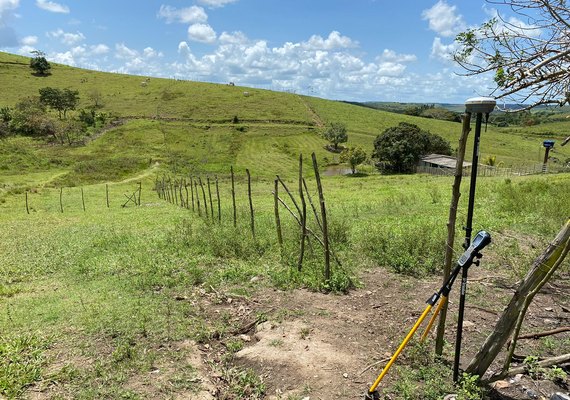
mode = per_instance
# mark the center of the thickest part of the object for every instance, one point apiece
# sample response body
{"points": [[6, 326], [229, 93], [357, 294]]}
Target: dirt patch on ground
{"points": [[326, 346]]}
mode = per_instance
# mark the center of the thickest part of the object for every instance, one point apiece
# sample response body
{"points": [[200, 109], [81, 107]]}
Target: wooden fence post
{"points": [[219, 204], [192, 191], [303, 216], [27, 209], [197, 199], [186, 188], [204, 196], [324, 219], [277, 218], [250, 203], [455, 195], [107, 193], [82, 200], [233, 195], [210, 197]]}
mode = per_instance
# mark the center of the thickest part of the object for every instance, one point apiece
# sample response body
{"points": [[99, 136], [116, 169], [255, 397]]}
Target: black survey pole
{"points": [[478, 106]]}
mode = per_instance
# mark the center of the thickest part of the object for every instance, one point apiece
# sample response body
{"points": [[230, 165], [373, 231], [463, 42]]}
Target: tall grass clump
{"points": [[21, 361], [414, 248]]}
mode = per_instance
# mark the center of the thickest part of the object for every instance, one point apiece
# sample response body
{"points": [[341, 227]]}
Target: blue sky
{"points": [[359, 50]]}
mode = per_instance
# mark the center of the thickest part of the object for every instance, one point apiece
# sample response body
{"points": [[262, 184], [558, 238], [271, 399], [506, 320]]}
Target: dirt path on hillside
{"points": [[323, 346]]}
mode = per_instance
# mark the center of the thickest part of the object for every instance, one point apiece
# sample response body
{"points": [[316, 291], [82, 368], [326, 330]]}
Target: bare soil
{"points": [[326, 346]]}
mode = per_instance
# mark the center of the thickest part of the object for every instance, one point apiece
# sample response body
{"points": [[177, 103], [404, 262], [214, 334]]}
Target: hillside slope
{"points": [[202, 127]]}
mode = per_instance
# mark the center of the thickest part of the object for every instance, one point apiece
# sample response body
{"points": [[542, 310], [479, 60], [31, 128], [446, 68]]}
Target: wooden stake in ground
{"points": [[250, 203], [204, 196], [27, 209], [82, 200], [277, 219], [455, 195], [233, 195], [219, 203], [210, 196], [60, 199], [186, 188], [303, 216], [324, 219], [542, 268], [192, 191], [107, 193], [197, 199], [312, 205]]}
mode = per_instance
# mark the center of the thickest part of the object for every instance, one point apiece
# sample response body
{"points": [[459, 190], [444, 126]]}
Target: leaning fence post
{"points": [[204, 196], [250, 202], [233, 195], [192, 191], [197, 199], [27, 209], [107, 193], [210, 197], [82, 200], [324, 219], [219, 204], [303, 215], [277, 219]]}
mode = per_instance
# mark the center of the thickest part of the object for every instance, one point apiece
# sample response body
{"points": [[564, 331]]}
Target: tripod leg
{"points": [[433, 317], [400, 348]]}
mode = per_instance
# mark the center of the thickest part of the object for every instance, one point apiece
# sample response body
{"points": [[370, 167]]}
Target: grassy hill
{"points": [[191, 126]]}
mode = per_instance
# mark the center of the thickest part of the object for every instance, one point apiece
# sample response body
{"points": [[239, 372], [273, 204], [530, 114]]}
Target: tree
{"points": [[336, 134], [29, 118], [39, 64], [353, 156], [60, 100], [399, 148], [528, 53]]}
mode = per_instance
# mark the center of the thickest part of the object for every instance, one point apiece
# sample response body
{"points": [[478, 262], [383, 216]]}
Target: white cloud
{"points": [[99, 49], [334, 41], [391, 55], [189, 15], [29, 40], [124, 53], [216, 3], [443, 52], [149, 52], [443, 19], [52, 6], [201, 33], [66, 38]]}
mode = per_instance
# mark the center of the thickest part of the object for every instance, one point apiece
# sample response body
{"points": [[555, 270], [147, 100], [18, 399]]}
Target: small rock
{"points": [[254, 279], [548, 309], [501, 385], [450, 397], [368, 292], [518, 377], [550, 321], [345, 375], [559, 396], [306, 398], [531, 394], [264, 326], [468, 324], [245, 338]]}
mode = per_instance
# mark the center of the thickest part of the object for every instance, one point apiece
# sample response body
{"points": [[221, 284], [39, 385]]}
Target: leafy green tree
{"points": [[60, 100], [336, 134], [353, 156], [39, 64], [29, 118], [399, 148]]}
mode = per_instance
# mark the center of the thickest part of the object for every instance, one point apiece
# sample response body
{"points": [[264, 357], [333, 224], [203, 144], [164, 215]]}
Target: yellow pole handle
{"points": [[402, 345]]}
